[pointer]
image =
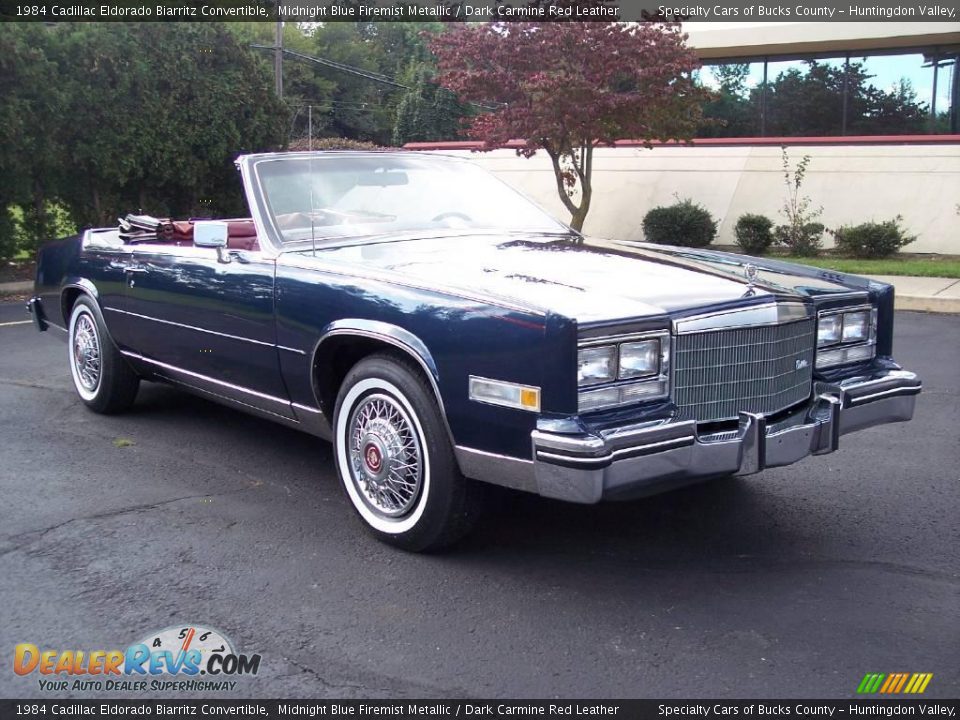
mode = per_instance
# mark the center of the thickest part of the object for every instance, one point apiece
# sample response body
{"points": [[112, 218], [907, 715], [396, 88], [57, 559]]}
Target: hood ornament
{"points": [[751, 272]]}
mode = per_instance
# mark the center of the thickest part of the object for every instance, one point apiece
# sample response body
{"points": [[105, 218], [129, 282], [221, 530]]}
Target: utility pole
{"points": [[278, 59]]}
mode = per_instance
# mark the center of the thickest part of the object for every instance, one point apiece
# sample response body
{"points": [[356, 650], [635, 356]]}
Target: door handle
{"points": [[131, 273]]}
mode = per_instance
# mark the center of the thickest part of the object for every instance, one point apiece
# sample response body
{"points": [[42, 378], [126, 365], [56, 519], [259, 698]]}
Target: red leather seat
{"points": [[241, 233]]}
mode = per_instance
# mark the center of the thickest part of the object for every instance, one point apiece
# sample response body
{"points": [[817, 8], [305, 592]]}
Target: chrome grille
{"points": [[761, 369]]}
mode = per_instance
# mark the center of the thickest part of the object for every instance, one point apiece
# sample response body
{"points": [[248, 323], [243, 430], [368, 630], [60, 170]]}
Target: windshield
{"points": [[322, 198]]}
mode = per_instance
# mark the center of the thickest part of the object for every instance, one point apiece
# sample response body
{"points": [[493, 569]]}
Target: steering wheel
{"points": [[458, 215]]}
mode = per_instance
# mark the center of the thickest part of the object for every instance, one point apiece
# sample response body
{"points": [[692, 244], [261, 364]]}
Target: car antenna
{"points": [[313, 232]]}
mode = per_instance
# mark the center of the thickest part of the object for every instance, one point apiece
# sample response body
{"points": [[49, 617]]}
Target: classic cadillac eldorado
{"points": [[444, 332]]}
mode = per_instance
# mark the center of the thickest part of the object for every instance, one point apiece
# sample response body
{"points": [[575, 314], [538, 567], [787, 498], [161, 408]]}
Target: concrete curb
{"points": [[927, 304], [16, 288], [926, 294]]}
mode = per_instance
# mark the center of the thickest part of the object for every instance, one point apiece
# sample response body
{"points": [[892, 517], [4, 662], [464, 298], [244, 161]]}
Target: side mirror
{"points": [[210, 233]]}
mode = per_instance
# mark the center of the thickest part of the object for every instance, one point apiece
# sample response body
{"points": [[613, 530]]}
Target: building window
{"points": [[903, 93]]}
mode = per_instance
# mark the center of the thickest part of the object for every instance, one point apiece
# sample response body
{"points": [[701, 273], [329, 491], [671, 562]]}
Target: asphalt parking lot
{"points": [[792, 583]]}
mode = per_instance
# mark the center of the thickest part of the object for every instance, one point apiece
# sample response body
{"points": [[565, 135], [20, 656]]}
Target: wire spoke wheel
{"points": [[86, 352], [386, 456]]}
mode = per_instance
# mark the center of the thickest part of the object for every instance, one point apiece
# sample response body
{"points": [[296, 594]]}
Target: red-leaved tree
{"points": [[566, 87]]}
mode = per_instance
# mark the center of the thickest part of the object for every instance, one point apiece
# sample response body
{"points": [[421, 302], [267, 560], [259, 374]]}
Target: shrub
{"points": [[801, 240], [683, 223], [871, 239], [331, 143], [754, 233]]}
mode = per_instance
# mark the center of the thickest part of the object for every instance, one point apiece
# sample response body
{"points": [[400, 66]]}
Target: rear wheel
{"points": [[395, 459], [101, 376]]}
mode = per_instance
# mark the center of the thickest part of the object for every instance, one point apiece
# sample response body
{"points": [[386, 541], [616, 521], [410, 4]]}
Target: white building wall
{"points": [[853, 183]]}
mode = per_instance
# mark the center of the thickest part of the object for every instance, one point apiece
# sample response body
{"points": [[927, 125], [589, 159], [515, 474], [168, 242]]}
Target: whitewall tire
{"points": [[395, 459], [102, 378]]}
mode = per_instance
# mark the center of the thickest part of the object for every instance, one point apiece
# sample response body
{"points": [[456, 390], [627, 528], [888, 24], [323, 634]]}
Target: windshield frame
{"points": [[249, 166]]}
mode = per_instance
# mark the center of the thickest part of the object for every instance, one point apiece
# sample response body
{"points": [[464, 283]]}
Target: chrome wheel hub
{"points": [[386, 459], [86, 352]]}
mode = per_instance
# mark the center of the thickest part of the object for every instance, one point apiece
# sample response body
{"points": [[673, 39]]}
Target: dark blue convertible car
{"points": [[442, 330]]}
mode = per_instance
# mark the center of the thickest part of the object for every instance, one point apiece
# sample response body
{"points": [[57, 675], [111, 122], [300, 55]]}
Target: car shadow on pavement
{"points": [[718, 521]]}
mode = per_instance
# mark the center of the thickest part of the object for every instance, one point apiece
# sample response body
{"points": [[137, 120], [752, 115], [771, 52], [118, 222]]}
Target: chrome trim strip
{"points": [[885, 393], [192, 327], [602, 460], [54, 325], [511, 472], [624, 338], [774, 313], [307, 408], [206, 378], [290, 349], [632, 450], [233, 401], [390, 340]]}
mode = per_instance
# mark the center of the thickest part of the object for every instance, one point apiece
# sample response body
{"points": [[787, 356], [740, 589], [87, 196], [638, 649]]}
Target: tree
{"points": [[427, 112], [568, 86]]}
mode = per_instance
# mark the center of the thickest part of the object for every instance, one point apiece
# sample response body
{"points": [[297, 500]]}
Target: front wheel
{"points": [[395, 459], [101, 376]]}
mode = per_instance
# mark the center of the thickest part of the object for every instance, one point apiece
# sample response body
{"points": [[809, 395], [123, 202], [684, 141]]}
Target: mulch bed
{"points": [[14, 270]]}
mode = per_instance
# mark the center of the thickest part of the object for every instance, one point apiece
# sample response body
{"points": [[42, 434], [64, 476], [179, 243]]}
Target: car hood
{"points": [[588, 280]]}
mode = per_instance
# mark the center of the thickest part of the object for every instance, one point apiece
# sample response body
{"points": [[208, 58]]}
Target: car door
{"points": [[204, 317]]}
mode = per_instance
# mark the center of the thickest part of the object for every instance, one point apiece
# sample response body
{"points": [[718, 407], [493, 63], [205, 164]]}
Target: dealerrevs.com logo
{"points": [[178, 658]]}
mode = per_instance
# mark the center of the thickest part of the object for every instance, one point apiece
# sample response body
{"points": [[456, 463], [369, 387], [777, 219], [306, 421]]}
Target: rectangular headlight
{"points": [[638, 359], [597, 365], [630, 368], [829, 329], [856, 326], [846, 336]]}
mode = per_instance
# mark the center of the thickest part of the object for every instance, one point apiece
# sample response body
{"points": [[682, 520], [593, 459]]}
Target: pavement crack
{"points": [[331, 685], [31, 537], [33, 386]]}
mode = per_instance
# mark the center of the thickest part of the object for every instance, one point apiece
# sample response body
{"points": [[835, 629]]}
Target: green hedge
{"points": [[683, 223]]}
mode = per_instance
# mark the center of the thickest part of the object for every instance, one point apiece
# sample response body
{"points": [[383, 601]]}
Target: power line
{"points": [[360, 72], [350, 69]]}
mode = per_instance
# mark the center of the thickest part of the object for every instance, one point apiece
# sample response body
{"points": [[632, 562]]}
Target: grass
{"points": [[913, 266]]}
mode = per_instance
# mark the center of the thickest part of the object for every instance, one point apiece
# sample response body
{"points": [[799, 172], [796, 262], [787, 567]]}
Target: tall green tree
{"points": [[428, 112], [32, 107]]}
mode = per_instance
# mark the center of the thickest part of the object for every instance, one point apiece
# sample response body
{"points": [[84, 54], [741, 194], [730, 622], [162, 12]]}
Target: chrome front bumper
{"points": [[654, 457]]}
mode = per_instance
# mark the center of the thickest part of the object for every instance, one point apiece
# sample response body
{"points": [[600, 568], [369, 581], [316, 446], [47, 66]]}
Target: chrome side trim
{"points": [[511, 472], [233, 401], [290, 349], [885, 393], [192, 327], [402, 339], [207, 378], [307, 408], [775, 313]]}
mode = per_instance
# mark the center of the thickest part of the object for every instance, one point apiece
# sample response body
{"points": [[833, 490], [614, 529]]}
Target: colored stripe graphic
{"points": [[870, 683], [894, 683]]}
